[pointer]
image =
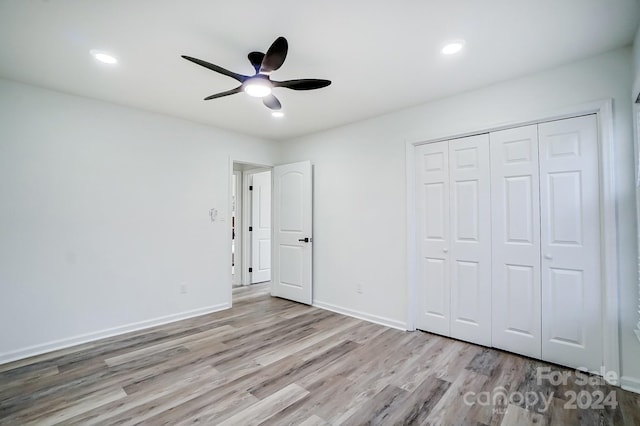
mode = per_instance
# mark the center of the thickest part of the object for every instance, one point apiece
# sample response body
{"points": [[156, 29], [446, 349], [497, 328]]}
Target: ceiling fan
{"points": [[260, 84]]}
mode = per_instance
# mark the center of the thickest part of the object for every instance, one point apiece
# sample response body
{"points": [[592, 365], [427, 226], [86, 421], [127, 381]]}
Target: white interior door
{"points": [[571, 276], [470, 246], [432, 216], [261, 227], [292, 222], [516, 241]]}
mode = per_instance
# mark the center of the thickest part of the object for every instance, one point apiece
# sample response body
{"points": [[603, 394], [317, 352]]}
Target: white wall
{"points": [[104, 212], [359, 184]]}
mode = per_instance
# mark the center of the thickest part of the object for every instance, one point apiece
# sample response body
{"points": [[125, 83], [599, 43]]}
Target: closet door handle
{"points": [[445, 250], [548, 257]]}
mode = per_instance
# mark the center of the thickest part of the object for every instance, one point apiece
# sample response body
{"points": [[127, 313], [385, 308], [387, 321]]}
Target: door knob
{"points": [[304, 240], [445, 250], [548, 256]]}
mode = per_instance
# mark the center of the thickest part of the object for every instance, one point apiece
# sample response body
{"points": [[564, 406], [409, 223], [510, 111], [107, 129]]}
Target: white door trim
{"points": [[608, 224], [239, 246]]}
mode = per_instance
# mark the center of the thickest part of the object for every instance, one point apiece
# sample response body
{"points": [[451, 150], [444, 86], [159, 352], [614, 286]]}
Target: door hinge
{"points": [[250, 187], [250, 269], [250, 228]]}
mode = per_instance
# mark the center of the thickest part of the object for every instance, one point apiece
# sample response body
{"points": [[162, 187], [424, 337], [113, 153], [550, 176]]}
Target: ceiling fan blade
{"points": [[256, 59], [227, 93], [272, 102], [302, 84], [216, 68], [275, 55]]}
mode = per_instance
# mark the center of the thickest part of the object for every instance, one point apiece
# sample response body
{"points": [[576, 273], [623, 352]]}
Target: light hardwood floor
{"points": [[271, 361]]}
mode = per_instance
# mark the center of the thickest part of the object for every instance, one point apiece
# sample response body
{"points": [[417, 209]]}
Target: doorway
{"points": [[265, 248], [250, 224]]}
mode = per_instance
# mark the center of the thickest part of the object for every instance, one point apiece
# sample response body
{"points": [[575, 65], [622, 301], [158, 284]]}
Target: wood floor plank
{"points": [[265, 409], [467, 381], [485, 362], [364, 332], [151, 349], [320, 393], [504, 380], [516, 416], [628, 407], [433, 362], [559, 416], [208, 409], [158, 374], [417, 365], [314, 421], [105, 413], [420, 402], [305, 343], [380, 407], [179, 393], [59, 412], [271, 361], [301, 369], [461, 354], [25, 379]]}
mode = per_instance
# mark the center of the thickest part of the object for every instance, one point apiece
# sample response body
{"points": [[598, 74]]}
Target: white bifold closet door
{"points": [[432, 196], [516, 240], [546, 242], [570, 220], [455, 238], [470, 247]]}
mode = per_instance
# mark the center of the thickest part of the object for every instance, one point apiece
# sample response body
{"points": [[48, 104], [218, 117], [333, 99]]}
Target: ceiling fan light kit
{"points": [[453, 47], [260, 84], [103, 57], [257, 87]]}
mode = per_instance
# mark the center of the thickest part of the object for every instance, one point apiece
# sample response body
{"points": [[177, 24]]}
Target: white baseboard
{"points": [[110, 332], [361, 315], [630, 383]]}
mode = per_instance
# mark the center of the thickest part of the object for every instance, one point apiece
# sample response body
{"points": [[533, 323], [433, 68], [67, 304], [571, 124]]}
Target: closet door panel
{"points": [[571, 275], [516, 303], [470, 251], [432, 217]]}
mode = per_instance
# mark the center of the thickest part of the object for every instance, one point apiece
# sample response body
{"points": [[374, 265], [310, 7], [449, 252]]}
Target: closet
{"points": [[509, 240]]}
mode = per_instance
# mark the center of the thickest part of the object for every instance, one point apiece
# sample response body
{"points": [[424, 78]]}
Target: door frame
{"points": [[239, 244], [608, 225], [257, 167]]}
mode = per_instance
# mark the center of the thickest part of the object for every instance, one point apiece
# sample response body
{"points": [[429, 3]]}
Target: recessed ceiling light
{"points": [[277, 114], [453, 47], [103, 57]]}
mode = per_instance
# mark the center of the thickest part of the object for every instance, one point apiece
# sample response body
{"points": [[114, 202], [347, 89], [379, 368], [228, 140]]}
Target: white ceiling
{"points": [[381, 55]]}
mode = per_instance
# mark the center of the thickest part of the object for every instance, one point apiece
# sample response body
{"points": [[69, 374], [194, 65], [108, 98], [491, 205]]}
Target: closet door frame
{"points": [[608, 226]]}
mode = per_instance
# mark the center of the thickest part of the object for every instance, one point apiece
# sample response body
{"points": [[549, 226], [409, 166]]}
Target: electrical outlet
{"points": [[183, 288], [359, 288]]}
